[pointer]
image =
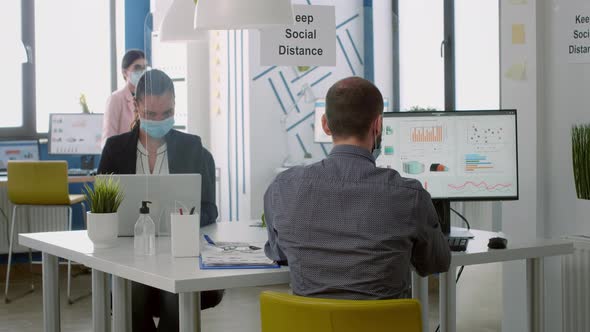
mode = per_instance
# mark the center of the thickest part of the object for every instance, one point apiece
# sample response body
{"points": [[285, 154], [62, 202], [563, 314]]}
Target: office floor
{"points": [[479, 304]]}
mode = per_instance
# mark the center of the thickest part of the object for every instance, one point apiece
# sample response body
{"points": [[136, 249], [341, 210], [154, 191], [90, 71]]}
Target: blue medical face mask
{"points": [[135, 76], [377, 147], [157, 129]]}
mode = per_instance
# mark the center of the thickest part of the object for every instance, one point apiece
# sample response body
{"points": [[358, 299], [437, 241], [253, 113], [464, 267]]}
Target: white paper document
{"points": [[235, 256]]}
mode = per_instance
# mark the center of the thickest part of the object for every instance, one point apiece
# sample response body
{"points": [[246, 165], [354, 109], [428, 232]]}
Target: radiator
{"points": [[575, 273], [42, 220]]}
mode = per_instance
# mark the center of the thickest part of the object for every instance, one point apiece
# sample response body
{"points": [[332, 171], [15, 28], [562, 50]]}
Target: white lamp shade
{"points": [[242, 14], [177, 25]]}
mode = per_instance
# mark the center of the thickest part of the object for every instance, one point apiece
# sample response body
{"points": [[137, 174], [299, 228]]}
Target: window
{"points": [[477, 54], [13, 57], [421, 67], [448, 55], [72, 57], [67, 45]]}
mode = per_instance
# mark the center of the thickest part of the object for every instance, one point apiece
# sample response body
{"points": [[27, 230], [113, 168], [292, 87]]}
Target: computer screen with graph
{"points": [[17, 150], [463, 155], [78, 134]]}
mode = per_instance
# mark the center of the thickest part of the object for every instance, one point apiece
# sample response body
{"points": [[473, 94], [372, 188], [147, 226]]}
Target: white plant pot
{"points": [[103, 229]]}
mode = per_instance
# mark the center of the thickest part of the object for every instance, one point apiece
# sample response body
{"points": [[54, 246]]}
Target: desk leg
{"points": [[51, 316], [420, 292], [535, 293], [189, 306], [120, 304], [100, 304], [448, 300]]}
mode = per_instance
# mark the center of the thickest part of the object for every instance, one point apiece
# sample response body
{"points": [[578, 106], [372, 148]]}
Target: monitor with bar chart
{"points": [[462, 155]]}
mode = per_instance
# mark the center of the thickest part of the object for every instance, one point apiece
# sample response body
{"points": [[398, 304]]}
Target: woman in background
{"points": [[119, 114]]}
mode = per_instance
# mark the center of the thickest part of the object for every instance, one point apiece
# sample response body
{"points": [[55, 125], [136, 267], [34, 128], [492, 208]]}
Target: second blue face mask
{"points": [[157, 129]]}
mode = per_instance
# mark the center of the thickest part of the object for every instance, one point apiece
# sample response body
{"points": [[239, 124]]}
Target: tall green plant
{"points": [[581, 159], [105, 197]]}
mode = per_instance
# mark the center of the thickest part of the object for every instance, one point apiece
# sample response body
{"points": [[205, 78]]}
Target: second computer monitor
{"points": [[462, 155], [77, 134]]}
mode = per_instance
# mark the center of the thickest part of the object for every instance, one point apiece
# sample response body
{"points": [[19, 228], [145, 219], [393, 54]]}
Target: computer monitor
{"points": [[17, 150], [457, 156], [320, 108], [76, 134]]}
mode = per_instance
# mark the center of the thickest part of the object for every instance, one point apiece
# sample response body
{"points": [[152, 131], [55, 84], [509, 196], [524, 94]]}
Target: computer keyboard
{"points": [[458, 243], [81, 172]]}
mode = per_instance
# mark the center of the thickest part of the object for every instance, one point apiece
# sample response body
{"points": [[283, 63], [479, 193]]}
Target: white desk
{"points": [[477, 252], [182, 275], [176, 275]]}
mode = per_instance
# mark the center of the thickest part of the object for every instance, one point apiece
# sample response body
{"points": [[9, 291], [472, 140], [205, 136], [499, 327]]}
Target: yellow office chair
{"points": [[290, 313], [38, 184]]}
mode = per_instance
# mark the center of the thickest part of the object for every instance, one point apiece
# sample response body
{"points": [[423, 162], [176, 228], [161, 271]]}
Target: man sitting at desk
{"points": [[347, 228], [153, 147]]}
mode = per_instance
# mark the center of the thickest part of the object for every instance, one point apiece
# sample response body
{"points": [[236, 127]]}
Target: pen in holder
{"points": [[184, 237]]}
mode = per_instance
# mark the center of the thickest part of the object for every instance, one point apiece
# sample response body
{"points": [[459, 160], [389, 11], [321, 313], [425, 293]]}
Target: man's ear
{"points": [[379, 124], [325, 125]]}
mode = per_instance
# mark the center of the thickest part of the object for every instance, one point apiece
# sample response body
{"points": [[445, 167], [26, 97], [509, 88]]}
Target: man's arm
{"points": [[208, 206], [431, 253], [271, 206]]}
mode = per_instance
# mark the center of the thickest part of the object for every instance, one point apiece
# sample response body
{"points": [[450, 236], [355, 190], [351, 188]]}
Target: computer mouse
{"points": [[497, 243]]}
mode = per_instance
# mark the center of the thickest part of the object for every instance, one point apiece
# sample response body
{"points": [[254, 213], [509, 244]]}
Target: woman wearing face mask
{"points": [[119, 115], [153, 147]]}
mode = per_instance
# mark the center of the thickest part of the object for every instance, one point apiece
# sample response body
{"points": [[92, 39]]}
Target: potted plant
{"points": [[104, 199], [581, 159]]}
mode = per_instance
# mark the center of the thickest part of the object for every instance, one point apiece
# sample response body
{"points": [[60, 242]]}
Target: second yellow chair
{"points": [[281, 312], [39, 184]]}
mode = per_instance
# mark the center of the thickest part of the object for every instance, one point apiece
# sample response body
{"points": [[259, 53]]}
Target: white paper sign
{"points": [[574, 31], [310, 42]]}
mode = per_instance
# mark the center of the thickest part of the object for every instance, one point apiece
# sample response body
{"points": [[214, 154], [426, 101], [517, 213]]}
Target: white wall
{"points": [[520, 219], [553, 97], [566, 102], [287, 137]]}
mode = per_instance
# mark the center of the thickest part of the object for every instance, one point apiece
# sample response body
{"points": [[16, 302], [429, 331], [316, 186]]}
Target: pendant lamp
{"points": [[177, 25], [242, 14]]}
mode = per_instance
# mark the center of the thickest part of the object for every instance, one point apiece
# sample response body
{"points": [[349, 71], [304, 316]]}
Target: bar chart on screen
{"points": [[432, 134]]}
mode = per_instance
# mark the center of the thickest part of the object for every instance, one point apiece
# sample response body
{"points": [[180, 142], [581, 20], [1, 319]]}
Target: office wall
{"points": [[258, 120], [288, 127], [522, 218], [565, 103], [550, 100]]}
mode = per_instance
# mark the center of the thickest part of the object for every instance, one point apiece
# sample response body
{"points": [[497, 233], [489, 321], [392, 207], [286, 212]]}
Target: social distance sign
{"points": [[310, 42]]}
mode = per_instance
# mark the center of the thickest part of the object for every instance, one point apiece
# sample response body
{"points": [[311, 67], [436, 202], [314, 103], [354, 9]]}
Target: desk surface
{"points": [[183, 274], [71, 179], [162, 270], [478, 252]]}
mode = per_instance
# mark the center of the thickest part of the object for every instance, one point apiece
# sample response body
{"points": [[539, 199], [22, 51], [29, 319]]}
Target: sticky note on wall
{"points": [[516, 72], [518, 36]]}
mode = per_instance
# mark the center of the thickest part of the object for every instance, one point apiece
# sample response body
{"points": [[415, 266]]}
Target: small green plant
{"points": [[263, 221], [84, 104], [581, 159], [105, 197]]}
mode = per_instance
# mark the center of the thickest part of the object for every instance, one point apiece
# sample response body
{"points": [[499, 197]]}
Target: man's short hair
{"points": [[352, 104]]}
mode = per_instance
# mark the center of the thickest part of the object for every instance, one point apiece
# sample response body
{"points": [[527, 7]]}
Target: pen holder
{"points": [[184, 236]]}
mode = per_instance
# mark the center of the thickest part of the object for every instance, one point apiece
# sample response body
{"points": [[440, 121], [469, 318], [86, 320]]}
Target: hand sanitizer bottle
{"points": [[144, 241]]}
